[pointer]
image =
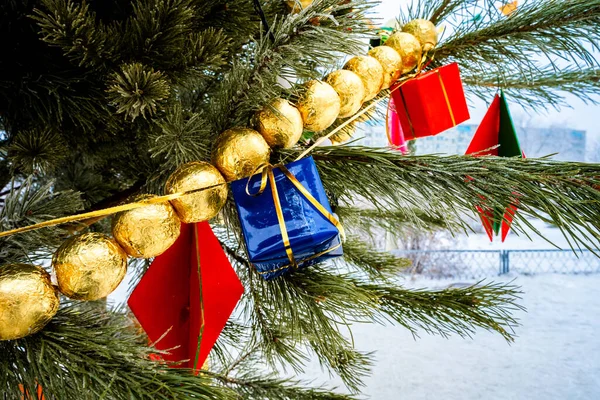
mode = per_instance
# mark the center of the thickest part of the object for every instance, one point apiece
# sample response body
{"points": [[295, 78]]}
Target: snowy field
{"points": [[555, 356]]}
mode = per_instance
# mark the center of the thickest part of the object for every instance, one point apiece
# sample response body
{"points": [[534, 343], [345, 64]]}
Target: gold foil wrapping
{"points": [[202, 205], [296, 6], [370, 71], [319, 105], [425, 32], [280, 123], [28, 300], [146, 231], [239, 151], [89, 266], [408, 47], [390, 61], [351, 90]]}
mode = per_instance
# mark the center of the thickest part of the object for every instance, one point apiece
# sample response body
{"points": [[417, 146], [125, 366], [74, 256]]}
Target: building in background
{"points": [[569, 144]]}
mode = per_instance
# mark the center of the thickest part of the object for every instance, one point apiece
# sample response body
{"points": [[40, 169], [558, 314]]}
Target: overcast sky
{"points": [[580, 116]]}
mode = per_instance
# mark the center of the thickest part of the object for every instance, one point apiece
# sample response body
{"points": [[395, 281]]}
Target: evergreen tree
{"points": [[103, 100]]}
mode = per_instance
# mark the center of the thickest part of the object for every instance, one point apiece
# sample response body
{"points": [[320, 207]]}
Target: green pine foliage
{"points": [[102, 100]]}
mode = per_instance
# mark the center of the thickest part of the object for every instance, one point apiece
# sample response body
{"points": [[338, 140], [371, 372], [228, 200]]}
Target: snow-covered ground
{"points": [[555, 356]]}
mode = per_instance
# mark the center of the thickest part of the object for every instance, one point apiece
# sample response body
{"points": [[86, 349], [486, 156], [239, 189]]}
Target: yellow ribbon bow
{"points": [[267, 175]]}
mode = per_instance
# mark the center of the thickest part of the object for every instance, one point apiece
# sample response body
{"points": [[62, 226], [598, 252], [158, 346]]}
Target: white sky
{"points": [[580, 116]]}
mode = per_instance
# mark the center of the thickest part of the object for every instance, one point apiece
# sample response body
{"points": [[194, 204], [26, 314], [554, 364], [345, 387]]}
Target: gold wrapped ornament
{"points": [[319, 105], [148, 231], [349, 88], [202, 205], [89, 266], [28, 300], [408, 47], [370, 72], [390, 61], [425, 32], [239, 151], [296, 6], [280, 123]]}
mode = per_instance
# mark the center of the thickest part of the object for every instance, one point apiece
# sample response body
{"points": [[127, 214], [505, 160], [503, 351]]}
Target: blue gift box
{"points": [[312, 236]]}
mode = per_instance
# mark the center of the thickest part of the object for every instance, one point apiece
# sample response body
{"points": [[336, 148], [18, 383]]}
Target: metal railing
{"points": [[485, 263]]}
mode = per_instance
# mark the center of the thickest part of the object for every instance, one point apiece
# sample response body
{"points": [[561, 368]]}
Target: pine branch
{"points": [[561, 193], [252, 387], [376, 264], [97, 354], [28, 205], [540, 89]]}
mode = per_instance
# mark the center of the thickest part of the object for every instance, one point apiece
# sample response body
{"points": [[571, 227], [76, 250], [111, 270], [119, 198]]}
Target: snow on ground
{"points": [[555, 356]]}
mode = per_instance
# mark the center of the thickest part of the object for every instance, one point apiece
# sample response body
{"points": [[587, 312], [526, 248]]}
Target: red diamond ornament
{"points": [[186, 297], [497, 128]]}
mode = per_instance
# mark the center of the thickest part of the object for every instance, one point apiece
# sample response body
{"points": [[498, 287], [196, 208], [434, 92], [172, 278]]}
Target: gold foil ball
{"points": [[89, 266], [202, 205], [147, 231], [425, 32], [390, 61], [351, 90], [408, 47], [370, 71], [280, 123], [28, 300], [238, 152], [319, 105], [296, 6]]}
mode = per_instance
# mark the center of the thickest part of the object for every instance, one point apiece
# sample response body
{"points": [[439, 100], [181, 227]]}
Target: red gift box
{"points": [[431, 103]]}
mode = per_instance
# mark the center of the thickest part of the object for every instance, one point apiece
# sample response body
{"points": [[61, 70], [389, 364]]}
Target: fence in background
{"points": [[485, 263]]}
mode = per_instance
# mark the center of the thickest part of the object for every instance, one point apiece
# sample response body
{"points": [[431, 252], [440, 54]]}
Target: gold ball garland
{"points": [[280, 123], [425, 32], [408, 47], [238, 152], [370, 71], [319, 105], [28, 300], [89, 266], [390, 61], [148, 231], [202, 205], [351, 90]]}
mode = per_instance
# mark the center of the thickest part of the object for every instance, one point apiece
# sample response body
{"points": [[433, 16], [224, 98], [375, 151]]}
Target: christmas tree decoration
{"points": [[286, 219], [425, 32], [39, 393], [393, 128], [296, 6], [89, 266], [409, 49], [509, 9], [148, 231], [280, 123], [186, 297], [390, 61], [28, 300], [238, 151], [350, 89], [319, 105], [202, 205], [370, 71], [496, 128], [431, 103]]}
